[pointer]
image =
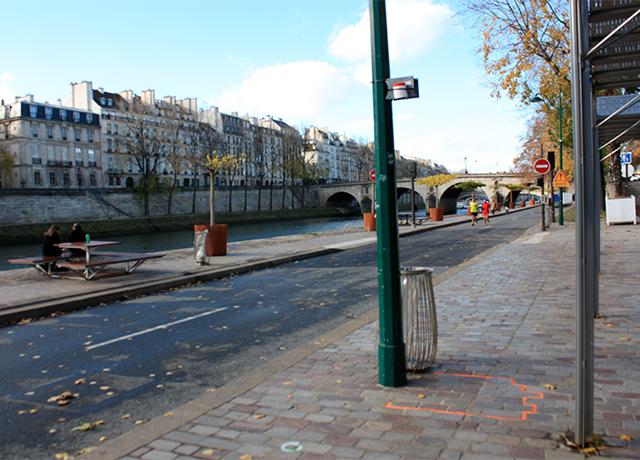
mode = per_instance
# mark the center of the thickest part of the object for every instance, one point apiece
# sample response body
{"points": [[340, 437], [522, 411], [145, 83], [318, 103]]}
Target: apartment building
{"points": [[341, 158], [141, 133], [53, 146]]}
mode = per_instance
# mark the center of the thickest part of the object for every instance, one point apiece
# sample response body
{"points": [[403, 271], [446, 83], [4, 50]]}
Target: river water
{"points": [[163, 241]]}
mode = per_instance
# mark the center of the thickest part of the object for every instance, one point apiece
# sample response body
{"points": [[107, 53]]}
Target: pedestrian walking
{"points": [[485, 211], [473, 209]]}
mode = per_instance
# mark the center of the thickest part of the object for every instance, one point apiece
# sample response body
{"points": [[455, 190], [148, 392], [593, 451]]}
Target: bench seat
{"points": [[37, 260], [101, 259]]}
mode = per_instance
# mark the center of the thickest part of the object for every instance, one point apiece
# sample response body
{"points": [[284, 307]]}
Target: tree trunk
{"points": [[271, 195], [284, 191], [212, 201], [170, 199], [145, 193], [193, 197], [260, 196], [304, 186], [230, 194]]}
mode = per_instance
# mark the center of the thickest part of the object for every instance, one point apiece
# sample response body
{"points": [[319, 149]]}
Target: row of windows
{"points": [[64, 132], [63, 114], [64, 178], [62, 154]]}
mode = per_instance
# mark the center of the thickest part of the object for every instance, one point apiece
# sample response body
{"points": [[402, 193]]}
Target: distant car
{"points": [[634, 178]]}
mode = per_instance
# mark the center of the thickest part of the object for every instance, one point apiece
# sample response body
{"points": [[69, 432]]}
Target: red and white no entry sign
{"points": [[542, 166], [372, 175]]}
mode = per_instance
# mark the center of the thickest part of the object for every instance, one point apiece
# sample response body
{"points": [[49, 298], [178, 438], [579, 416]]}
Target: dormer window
{"points": [[33, 110], [76, 117], [48, 113], [103, 101], [89, 118], [63, 114]]}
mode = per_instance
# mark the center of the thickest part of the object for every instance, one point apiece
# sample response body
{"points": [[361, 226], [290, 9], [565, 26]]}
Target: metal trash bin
{"points": [[419, 322], [199, 251]]}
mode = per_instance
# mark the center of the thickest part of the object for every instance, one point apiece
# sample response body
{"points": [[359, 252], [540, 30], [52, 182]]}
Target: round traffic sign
{"points": [[542, 166], [372, 175]]}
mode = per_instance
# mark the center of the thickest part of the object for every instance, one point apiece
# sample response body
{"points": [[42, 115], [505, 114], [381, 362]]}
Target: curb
{"points": [[159, 426], [72, 302]]}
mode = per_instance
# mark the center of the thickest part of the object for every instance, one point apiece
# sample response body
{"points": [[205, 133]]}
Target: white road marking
{"points": [[156, 328], [351, 244]]}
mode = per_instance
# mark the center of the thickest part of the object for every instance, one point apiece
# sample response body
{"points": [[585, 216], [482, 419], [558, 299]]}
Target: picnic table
{"points": [[86, 266]]}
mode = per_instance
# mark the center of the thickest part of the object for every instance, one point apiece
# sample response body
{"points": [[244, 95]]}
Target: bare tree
{"points": [[144, 149], [175, 159], [6, 165]]}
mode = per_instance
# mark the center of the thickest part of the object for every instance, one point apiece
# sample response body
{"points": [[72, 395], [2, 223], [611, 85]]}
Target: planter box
{"points": [[369, 219], [216, 244], [436, 213], [621, 210]]}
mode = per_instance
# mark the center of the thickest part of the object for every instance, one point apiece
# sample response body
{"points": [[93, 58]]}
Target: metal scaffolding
{"points": [[605, 54]]}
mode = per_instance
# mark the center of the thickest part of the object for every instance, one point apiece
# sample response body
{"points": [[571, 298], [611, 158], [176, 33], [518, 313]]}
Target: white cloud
{"points": [[6, 92], [413, 25], [297, 90]]}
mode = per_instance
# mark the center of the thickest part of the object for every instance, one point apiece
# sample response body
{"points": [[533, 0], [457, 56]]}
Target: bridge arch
{"points": [[345, 202], [403, 195]]}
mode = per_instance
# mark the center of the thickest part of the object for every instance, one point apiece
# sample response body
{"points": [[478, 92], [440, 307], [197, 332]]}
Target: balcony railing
{"points": [[79, 163], [92, 164], [36, 161], [54, 163]]}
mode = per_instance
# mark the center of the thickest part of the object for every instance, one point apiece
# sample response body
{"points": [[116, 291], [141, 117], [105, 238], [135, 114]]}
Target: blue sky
{"points": [[306, 61]]}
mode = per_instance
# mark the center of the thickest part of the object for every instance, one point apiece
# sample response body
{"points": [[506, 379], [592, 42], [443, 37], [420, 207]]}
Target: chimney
{"points": [[82, 95]]}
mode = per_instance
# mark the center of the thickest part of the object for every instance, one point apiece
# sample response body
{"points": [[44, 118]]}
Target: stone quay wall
{"points": [[47, 206]]}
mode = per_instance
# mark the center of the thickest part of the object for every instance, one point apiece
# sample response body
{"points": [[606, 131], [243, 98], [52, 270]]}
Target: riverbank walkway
{"points": [[502, 388], [25, 292]]}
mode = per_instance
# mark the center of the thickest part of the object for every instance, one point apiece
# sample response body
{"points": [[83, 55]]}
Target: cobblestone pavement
{"points": [[502, 388]]}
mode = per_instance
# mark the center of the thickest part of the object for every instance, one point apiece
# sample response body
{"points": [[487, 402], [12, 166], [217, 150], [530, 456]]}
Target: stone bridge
{"points": [[360, 194]]}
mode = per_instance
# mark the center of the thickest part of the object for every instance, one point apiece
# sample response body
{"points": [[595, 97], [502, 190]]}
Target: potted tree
{"points": [[216, 243], [433, 182]]}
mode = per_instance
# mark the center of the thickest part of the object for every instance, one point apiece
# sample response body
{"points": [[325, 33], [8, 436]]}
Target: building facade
{"points": [[52, 146]]}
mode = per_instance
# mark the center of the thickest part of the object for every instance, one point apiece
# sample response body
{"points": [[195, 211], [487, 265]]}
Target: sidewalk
{"points": [[26, 292], [502, 388]]}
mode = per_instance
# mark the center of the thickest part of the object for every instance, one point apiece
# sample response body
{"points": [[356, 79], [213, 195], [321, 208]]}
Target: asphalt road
{"points": [[137, 359]]}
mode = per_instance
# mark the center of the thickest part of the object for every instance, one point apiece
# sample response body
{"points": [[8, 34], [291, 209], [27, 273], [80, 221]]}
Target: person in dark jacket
{"points": [[77, 236], [51, 238]]}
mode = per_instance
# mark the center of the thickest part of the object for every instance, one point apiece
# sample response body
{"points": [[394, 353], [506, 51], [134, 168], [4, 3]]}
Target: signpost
{"points": [[561, 181], [625, 158], [372, 175], [542, 166]]}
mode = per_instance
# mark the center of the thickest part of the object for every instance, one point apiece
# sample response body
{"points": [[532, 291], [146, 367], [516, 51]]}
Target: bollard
{"points": [[419, 319]]}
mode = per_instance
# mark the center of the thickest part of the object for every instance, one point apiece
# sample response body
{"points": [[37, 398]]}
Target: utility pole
{"points": [[561, 210], [466, 171], [391, 349]]}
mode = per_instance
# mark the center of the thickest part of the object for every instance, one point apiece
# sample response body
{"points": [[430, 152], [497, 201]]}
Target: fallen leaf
{"points": [[338, 381], [63, 398], [126, 416], [421, 396], [24, 321], [139, 422], [589, 450], [62, 456], [207, 452], [287, 382], [102, 438], [104, 387], [88, 426], [29, 393], [211, 390], [550, 386], [53, 430], [21, 412], [168, 414], [246, 457], [33, 411], [109, 393], [625, 339], [159, 385], [626, 438], [80, 381], [93, 382], [259, 416]]}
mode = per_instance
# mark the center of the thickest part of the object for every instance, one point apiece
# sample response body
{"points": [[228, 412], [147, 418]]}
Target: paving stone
{"points": [[162, 444], [159, 455], [186, 449]]}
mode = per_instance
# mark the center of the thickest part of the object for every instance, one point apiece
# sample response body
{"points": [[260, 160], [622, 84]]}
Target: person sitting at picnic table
{"points": [[77, 236], [51, 238]]}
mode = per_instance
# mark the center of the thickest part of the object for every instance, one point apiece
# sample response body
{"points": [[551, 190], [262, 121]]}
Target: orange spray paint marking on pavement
{"points": [[531, 408]]}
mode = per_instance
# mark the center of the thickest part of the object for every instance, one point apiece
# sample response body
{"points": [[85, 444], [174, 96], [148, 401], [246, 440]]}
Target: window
{"points": [[109, 145], [118, 180], [89, 117], [52, 178], [48, 113], [110, 102], [66, 181], [76, 117], [33, 110], [115, 129], [78, 155], [103, 101], [63, 114], [78, 133], [50, 153], [111, 181], [37, 178], [34, 129], [50, 131], [91, 156], [63, 132], [90, 135], [64, 153], [92, 180], [36, 153], [79, 179]]}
